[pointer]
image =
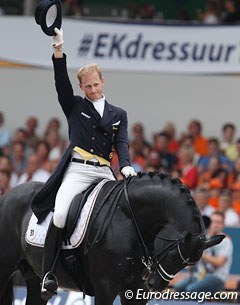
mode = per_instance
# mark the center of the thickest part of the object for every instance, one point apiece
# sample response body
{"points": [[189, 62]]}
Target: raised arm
{"points": [[57, 43], [62, 82]]}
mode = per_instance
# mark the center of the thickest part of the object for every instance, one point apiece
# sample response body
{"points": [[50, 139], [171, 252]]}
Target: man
{"points": [[231, 12], [225, 206], [200, 143], [228, 145], [214, 151], [161, 142], [96, 129], [214, 266], [201, 196], [31, 137], [34, 171]]}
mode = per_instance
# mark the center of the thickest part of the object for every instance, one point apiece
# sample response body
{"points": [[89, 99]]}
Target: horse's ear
{"points": [[214, 240]]}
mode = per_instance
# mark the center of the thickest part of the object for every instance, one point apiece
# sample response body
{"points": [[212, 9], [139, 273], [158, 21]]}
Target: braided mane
{"points": [[178, 185]]}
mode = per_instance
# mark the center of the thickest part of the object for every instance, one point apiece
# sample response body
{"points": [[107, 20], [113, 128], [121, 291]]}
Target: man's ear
{"points": [[80, 85]]}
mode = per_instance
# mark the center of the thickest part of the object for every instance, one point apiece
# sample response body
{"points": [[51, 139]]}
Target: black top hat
{"points": [[48, 15]]}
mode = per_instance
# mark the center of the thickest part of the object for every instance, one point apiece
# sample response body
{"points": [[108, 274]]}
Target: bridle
{"points": [[156, 266], [152, 263]]}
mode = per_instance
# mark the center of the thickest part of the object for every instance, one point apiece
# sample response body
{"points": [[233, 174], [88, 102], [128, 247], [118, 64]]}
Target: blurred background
{"points": [[186, 125], [207, 11]]}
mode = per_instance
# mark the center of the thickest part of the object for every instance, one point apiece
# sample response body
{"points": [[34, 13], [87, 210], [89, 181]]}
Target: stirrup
{"points": [[49, 286]]}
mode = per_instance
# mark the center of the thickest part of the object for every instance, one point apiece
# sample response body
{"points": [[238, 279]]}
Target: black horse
{"points": [[143, 230]]}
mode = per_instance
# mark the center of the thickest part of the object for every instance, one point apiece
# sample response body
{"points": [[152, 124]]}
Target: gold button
{"points": [[91, 150], [93, 138], [101, 155], [105, 133], [94, 126]]}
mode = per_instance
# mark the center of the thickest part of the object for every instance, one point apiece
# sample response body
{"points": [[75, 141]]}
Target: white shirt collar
{"points": [[99, 105]]}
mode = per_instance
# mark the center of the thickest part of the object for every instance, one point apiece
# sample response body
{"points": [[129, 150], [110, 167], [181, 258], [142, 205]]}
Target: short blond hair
{"points": [[88, 69]]}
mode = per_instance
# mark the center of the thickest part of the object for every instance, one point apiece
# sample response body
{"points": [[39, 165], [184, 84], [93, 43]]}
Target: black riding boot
{"points": [[52, 248]]}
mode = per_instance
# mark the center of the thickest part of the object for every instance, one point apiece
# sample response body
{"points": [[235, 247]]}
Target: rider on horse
{"points": [[96, 129]]}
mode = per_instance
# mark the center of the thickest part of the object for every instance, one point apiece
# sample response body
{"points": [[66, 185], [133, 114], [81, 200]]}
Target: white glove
{"points": [[57, 39], [128, 171]]}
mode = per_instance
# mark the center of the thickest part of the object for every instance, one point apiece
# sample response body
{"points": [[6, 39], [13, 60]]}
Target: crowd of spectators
{"points": [[220, 12], [213, 12], [210, 167], [27, 156]]}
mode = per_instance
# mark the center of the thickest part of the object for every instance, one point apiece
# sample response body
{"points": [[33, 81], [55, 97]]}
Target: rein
{"points": [[185, 261], [151, 263], [92, 240], [148, 261], [145, 255]]}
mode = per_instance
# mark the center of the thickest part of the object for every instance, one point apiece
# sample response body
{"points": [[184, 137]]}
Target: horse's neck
{"points": [[149, 216], [153, 212]]}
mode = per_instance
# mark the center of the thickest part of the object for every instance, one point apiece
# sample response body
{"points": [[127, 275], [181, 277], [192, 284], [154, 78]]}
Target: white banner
{"points": [[126, 47]]}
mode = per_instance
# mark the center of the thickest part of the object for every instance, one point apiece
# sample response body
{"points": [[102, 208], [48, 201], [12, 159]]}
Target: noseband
{"points": [[153, 264], [156, 266]]}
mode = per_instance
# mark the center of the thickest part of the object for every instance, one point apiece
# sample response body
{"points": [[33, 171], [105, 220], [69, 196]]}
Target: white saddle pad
{"points": [[36, 233]]}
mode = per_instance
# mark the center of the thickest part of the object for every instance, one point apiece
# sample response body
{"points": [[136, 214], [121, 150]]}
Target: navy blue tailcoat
{"points": [[88, 130]]}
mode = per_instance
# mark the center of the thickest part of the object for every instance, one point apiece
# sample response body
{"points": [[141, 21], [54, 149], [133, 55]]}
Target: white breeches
{"points": [[77, 178]]}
